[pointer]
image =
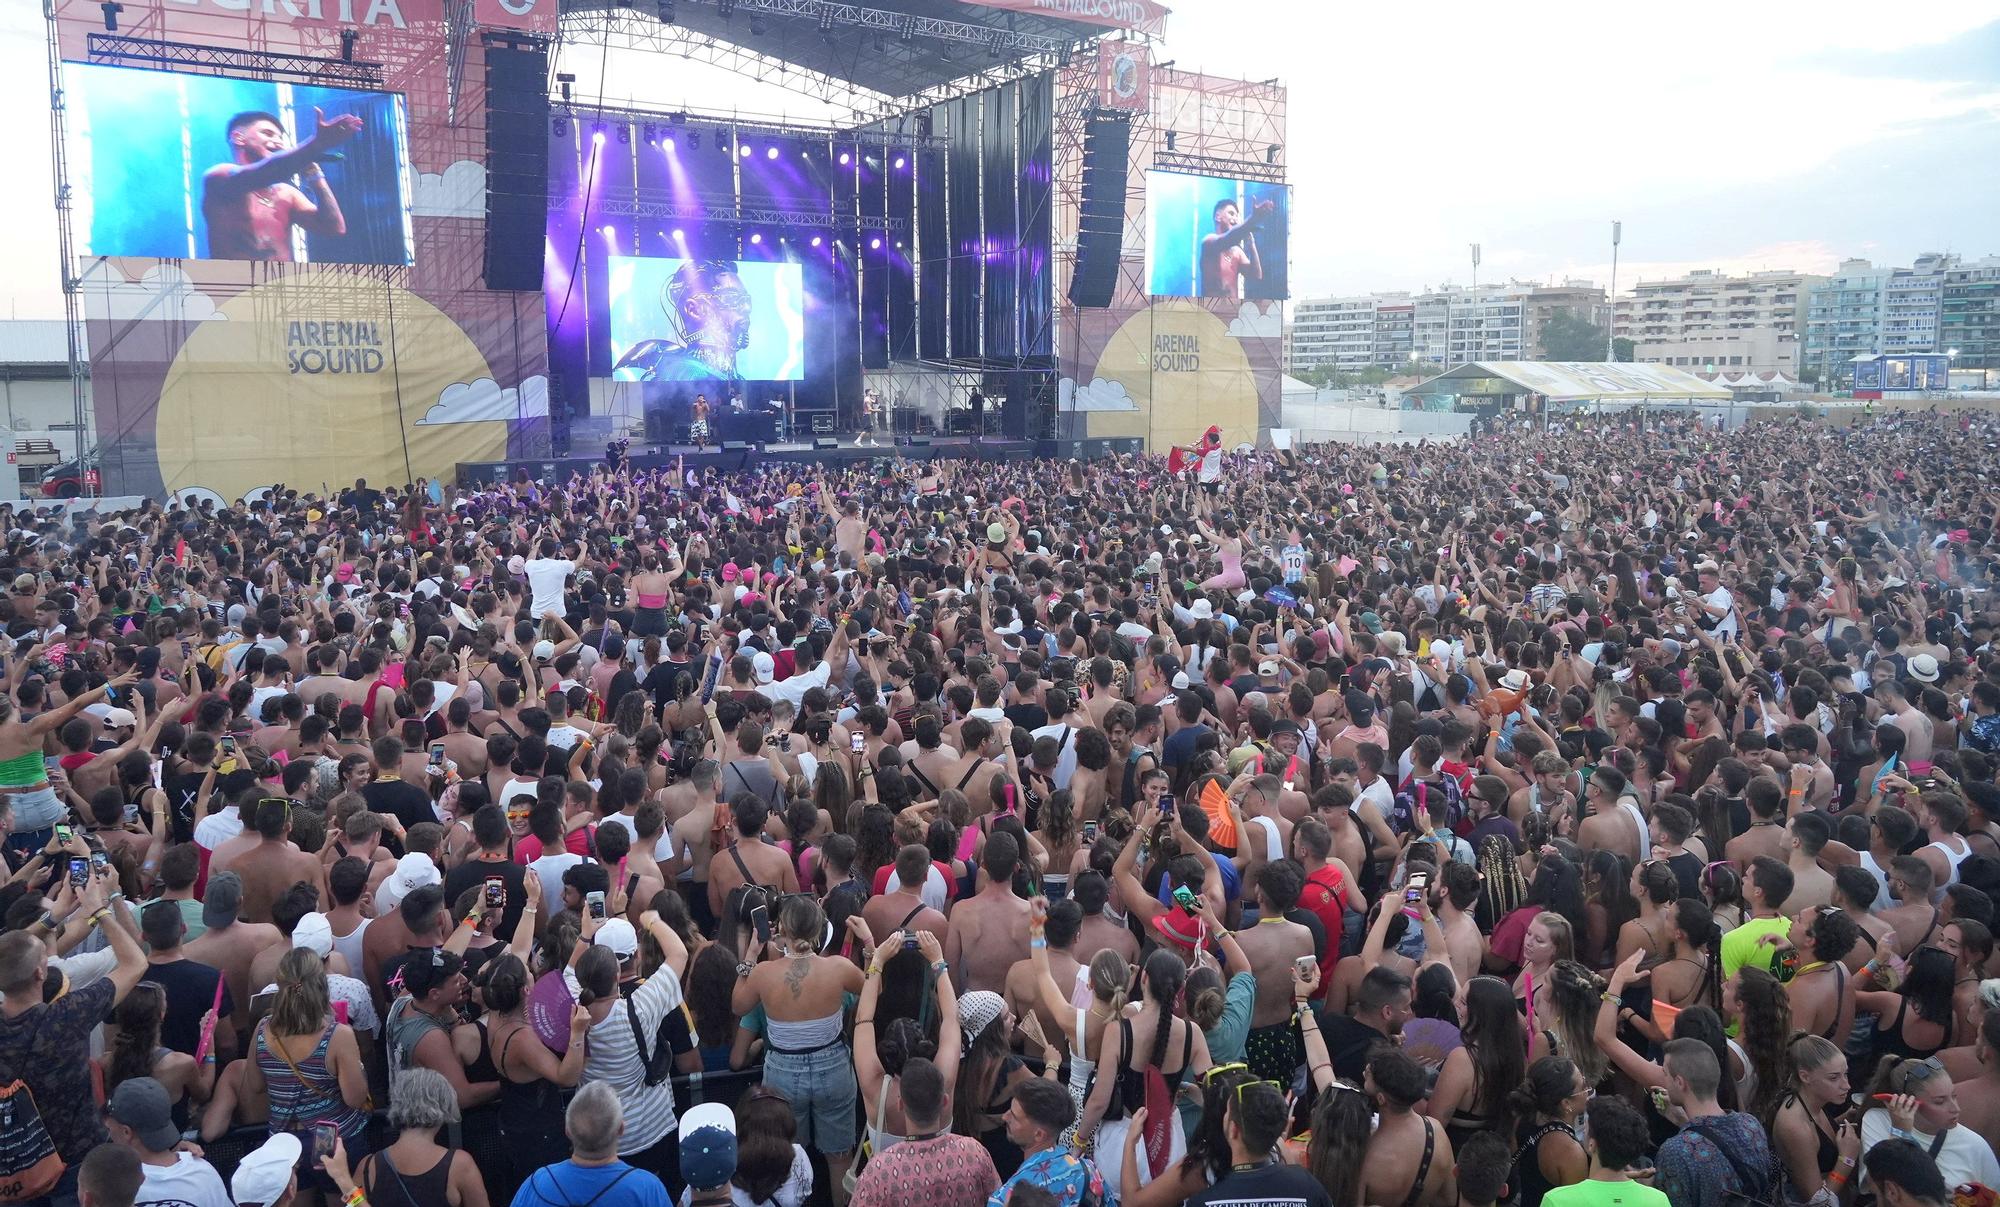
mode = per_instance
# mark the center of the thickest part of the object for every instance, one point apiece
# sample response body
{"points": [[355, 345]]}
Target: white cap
{"points": [[1181, 682], [315, 932], [545, 650], [266, 1174], [413, 871], [763, 667], [618, 935]]}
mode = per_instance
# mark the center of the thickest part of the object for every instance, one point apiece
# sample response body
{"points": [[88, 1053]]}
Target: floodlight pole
{"points": [[1611, 327]]}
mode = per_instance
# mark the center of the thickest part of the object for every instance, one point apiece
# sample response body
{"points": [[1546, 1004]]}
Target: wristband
{"points": [[469, 920], [940, 968], [355, 1198]]}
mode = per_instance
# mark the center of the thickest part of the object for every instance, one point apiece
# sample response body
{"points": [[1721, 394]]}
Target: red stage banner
{"points": [[1124, 75], [352, 14], [1141, 16], [531, 16]]}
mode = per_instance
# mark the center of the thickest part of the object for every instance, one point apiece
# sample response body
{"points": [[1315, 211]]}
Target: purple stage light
{"points": [[744, 152], [845, 158], [899, 163], [598, 138], [756, 238], [875, 244], [609, 232], [770, 152], [679, 234], [670, 147], [815, 240]]}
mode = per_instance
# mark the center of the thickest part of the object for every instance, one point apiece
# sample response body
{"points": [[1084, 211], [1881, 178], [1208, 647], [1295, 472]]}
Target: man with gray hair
{"points": [[593, 1174]]}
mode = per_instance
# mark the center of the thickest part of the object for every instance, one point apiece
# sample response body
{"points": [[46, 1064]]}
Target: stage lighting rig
{"points": [[725, 8], [348, 38], [563, 80], [826, 18], [667, 11], [111, 9]]}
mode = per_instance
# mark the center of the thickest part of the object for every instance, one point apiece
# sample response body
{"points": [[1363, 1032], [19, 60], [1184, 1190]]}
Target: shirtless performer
{"points": [[1229, 252], [249, 204]]}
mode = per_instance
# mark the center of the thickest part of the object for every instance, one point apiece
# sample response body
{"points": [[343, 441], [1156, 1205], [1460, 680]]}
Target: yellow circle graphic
{"points": [[1185, 371], [316, 379]]}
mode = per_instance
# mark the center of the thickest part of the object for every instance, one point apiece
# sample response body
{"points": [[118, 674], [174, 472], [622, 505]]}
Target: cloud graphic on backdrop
{"points": [[484, 401], [163, 294], [457, 192], [1102, 394], [1251, 322]]}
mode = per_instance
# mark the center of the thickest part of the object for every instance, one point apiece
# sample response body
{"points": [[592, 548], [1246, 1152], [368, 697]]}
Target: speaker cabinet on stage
{"points": [[823, 443], [1107, 146], [517, 166]]}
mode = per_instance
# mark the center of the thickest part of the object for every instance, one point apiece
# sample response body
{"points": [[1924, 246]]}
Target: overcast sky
{"points": [[1767, 134]]}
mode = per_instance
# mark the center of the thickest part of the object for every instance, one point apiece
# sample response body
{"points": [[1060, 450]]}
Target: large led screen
{"points": [[183, 166], [1216, 237], [673, 319]]}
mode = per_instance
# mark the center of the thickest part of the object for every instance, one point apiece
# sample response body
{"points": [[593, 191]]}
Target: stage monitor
{"points": [[706, 320], [1216, 237], [205, 167]]}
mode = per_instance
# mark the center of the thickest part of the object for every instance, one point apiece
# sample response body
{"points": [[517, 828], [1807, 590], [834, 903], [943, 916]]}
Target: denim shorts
{"points": [[820, 1085]]}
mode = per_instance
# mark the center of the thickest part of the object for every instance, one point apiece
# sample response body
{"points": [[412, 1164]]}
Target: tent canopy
{"points": [[1575, 381]]}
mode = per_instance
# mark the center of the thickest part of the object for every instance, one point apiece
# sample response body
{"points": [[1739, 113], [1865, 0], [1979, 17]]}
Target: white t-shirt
{"points": [[217, 828], [1725, 624], [1211, 466], [188, 1182], [936, 892], [546, 576], [1066, 761], [662, 849], [1965, 1158], [551, 868]]}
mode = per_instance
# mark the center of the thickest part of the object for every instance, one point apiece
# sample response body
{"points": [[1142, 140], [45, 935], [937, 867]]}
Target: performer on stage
{"points": [[871, 416], [1229, 253], [710, 310], [698, 430], [249, 203], [978, 402]]}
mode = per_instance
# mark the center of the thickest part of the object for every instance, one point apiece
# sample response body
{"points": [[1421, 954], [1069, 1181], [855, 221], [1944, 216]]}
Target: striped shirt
{"points": [[614, 1057]]}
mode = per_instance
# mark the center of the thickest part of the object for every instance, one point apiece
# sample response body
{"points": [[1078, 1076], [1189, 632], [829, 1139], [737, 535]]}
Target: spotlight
{"points": [[826, 18], [347, 39], [899, 245], [667, 11], [560, 127], [1271, 153], [624, 136], [845, 159], [679, 234], [899, 163], [1171, 137], [873, 244], [598, 138], [756, 237], [770, 152], [608, 232], [815, 241], [668, 145], [744, 152], [908, 33], [725, 8], [111, 10], [565, 79]]}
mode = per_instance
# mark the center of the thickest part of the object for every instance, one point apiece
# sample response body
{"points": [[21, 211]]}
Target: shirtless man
{"points": [[1271, 945], [1453, 899], [1229, 252], [1613, 825], [693, 829], [464, 748], [1548, 790], [975, 771], [229, 945], [248, 205], [1942, 815], [1913, 916], [1766, 835], [275, 864], [988, 933], [361, 836], [1333, 805], [850, 531], [1024, 992], [750, 858], [904, 908], [1088, 784], [1092, 893], [1853, 890], [1812, 885]]}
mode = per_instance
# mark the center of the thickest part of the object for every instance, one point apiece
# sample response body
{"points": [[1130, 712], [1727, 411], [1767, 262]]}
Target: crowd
{"points": [[1595, 815]]}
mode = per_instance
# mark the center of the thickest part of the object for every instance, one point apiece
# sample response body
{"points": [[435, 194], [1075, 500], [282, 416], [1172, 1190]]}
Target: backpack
{"points": [[1764, 1187], [1441, 800], [751, 904], [29, 1164]]}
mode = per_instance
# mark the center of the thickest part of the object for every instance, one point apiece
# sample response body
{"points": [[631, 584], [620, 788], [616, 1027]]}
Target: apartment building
{"points": [[1711, 321], [1969, 314], [1866, 310]]}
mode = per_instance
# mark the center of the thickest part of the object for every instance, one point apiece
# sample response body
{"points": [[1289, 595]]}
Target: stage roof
{"points": [[877, 60], [1569, 381]]}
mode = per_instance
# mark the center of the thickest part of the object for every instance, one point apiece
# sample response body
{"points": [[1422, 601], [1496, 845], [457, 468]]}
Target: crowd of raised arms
{"points": [[1603, 814]]}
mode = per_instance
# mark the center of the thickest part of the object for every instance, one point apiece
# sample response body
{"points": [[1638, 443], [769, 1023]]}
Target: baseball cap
{"points": [[119, 718], [266, 1174], [344, 573], [618, 935], [1267, 669], [223, 900], [413, 871], [763, 666], [708, 1146], [141, 1104], [544, 650], [314, 932]]}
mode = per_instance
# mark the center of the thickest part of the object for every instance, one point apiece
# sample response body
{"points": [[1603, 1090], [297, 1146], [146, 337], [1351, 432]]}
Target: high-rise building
{"points": [[1707, 321], [1969, 314], [1580, 298], [1337, 333], [1939, 304]]}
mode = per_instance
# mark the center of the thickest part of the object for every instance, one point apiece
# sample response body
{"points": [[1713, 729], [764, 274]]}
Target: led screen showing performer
{"points": [[682, 320], [186, 166], [1216, 237]]}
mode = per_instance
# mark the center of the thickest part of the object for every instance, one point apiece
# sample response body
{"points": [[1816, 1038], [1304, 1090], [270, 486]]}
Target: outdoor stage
{"points": [[740, 457]]}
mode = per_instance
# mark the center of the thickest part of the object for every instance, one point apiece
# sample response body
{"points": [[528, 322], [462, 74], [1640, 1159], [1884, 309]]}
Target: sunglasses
{"points": [[1917, 1071], [1215, 1071], [1241, 1086]]}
